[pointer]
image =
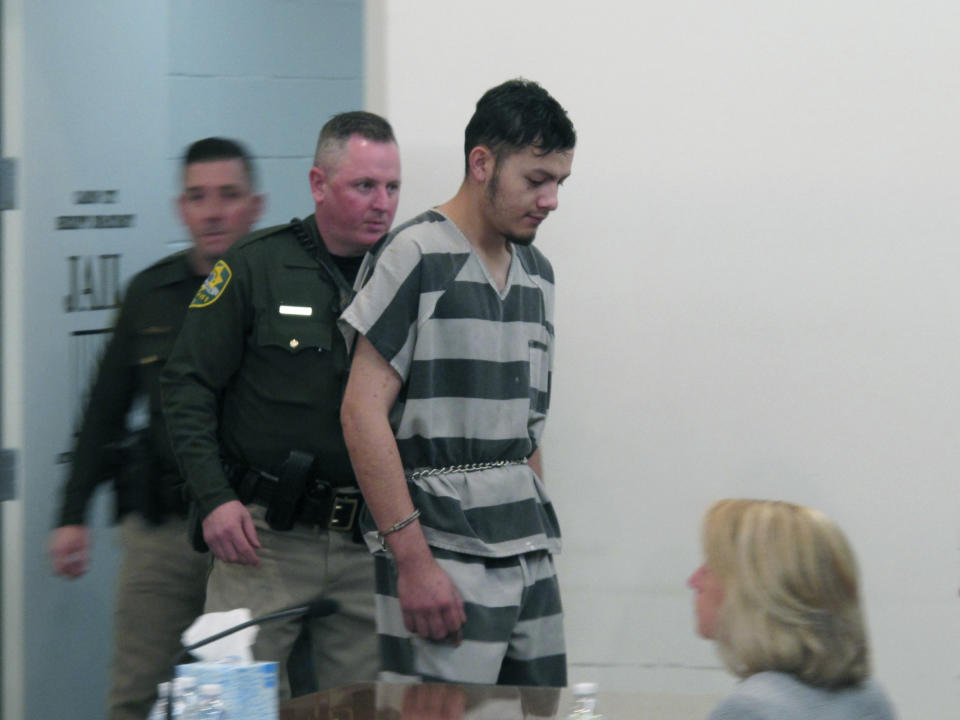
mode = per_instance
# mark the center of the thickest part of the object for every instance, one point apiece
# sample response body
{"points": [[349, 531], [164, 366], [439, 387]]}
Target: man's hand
{"points": [[70, 550], [431, 604], [230, 533]]}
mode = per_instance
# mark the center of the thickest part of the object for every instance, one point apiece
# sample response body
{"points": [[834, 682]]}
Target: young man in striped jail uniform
{"points": [[445, 407]]}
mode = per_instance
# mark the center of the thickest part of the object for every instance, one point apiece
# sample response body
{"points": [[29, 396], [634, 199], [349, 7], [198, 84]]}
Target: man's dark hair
{"points": [[216, 148], [339, 128], [515, 115]]}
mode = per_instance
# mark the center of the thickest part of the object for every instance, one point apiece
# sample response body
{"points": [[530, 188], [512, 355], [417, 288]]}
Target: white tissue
{"points": [[235, 647]]}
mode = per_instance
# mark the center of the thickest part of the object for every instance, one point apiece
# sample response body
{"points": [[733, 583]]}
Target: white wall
{"points": [[756, 259]]}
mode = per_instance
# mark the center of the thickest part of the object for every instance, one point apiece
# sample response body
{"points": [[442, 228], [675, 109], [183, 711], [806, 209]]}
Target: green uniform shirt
{"points": [[148, 323], [260, 367]]}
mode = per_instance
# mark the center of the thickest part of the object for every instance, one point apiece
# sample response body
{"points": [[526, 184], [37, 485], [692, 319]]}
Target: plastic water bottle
{"points": [[184, 697], [210, 705], [159, 709], [584, 705]]}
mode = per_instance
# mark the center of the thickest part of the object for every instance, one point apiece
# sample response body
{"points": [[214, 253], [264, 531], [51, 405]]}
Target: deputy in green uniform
{"points": [[161, 585], [252, 400]]}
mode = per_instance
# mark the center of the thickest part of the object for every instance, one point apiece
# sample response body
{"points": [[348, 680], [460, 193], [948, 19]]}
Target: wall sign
{"points": [[95, 222], [94, 282]]}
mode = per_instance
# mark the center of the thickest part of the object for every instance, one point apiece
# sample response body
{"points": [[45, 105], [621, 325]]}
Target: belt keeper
{"points": [[382, 536]]}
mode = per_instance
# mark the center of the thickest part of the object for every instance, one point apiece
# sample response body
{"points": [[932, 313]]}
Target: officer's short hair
{"points": [[515, 115], [341, 127], [217, 148]]}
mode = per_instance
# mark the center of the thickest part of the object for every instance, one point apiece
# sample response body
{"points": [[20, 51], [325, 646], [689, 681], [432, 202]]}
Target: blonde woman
{"points": [[778, 593]]}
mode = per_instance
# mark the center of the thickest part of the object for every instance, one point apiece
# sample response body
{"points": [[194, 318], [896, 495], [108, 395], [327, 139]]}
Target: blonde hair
{"points": [[790, 593]]}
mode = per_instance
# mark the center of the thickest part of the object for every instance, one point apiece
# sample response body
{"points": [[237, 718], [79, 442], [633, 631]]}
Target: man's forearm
{"points": [[190, 410], [430, 602], [371, 392], [379, 470]]}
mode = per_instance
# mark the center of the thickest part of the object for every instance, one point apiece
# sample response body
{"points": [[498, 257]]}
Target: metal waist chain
{"points": [[467, 468]]}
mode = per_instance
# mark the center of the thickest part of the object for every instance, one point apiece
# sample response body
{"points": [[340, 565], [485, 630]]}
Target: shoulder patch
{"points": [[213, 286]]}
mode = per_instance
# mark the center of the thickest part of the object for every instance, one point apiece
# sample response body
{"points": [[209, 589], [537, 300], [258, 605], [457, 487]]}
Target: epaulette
{"points": [[169, 269], [262, 234]]}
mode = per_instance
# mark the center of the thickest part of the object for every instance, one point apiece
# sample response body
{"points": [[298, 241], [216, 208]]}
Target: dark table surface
{"points": [[386, 701]]}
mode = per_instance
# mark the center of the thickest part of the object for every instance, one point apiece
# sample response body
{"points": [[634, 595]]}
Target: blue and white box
{"points": [[249, 690]]}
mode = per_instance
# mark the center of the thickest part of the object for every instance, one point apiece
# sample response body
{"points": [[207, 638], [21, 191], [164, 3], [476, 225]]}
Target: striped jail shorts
{"points": [[514, 629]]}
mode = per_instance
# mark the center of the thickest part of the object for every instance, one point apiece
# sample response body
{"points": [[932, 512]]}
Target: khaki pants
{"points": [[160, 591], [297, 567]]}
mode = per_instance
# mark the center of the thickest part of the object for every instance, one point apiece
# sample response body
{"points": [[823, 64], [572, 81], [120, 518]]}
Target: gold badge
{"points": [[213, 286]]}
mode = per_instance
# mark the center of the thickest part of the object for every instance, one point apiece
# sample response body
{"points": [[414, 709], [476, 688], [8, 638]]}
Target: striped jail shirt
{"points": [[475, 364]]}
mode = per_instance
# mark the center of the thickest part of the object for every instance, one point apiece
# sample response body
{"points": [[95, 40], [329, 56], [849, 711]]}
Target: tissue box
{"points": [[249, 690]]}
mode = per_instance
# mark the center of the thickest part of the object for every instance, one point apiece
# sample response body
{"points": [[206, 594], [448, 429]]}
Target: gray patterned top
{"points": [[779, 696]]}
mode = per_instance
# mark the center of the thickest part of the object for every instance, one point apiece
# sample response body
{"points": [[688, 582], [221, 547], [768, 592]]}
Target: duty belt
{"points": [[324, 506]]}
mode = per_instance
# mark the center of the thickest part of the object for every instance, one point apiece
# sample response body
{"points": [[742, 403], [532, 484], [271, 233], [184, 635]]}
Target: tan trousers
{"points": [[160, 591], [296, 567]]}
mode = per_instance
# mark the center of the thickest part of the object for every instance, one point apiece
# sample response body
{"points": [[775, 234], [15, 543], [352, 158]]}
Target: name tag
{"points": [[296, 310]]}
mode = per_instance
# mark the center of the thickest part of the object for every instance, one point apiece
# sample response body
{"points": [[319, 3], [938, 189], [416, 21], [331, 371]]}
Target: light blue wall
{"points": [[111, 93], [93, 99], [269, 73]]}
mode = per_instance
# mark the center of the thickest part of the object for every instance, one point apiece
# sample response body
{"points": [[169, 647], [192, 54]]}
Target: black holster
{"points": [[139, 480], [293, 477]]}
